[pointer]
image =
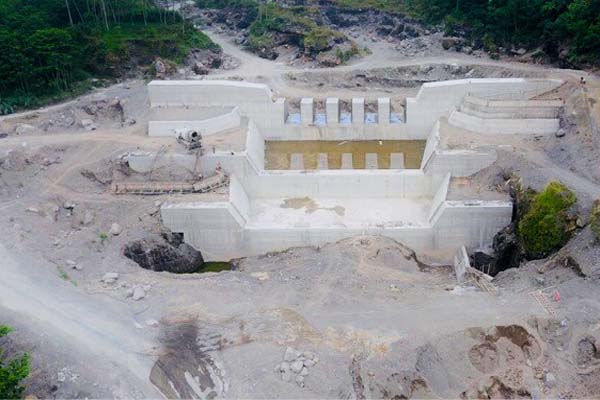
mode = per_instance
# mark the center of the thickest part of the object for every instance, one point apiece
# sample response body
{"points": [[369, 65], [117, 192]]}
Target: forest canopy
{"points": [[47, 47]]}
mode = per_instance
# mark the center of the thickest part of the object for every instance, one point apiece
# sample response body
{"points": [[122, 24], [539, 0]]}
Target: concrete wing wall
{"points": [[470, 223], [207, 93], [504, 126], [438, 99], [255, 147], [206, 127]]}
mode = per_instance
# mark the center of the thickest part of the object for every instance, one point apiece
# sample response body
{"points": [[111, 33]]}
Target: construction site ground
{"points": [[361, 318]]}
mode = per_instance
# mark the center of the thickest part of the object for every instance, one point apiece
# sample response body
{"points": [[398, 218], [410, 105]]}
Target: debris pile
{"points": [[295, 365]]}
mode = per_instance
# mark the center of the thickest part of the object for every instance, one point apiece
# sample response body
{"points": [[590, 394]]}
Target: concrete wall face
{"points": [[224, 230]]}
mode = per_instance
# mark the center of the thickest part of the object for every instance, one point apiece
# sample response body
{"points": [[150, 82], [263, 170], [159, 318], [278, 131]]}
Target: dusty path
{"points": [[95, 327]]}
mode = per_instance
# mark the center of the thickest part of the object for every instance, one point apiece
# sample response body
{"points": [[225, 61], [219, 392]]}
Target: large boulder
{"points": [[507, 249], [159, 255]]}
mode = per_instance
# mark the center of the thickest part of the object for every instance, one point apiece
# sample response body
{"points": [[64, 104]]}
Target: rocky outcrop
{"points": [[167, 254]]}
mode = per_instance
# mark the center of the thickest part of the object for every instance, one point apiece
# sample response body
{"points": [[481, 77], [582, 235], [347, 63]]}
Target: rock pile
{"points": [[170, 254], [295, 365]]}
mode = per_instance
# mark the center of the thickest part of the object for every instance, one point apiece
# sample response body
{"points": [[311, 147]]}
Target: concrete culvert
{"points": [[159, 254]]}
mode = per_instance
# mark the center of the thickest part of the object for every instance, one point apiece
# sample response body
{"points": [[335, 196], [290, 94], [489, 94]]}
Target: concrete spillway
{"points": [[314, 181]]}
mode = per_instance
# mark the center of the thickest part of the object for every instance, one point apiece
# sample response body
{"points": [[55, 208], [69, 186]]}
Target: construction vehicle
{"points": [[190, 138]]}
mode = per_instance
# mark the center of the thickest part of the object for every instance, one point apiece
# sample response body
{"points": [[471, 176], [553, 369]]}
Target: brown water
{"points": [[278, 153]]}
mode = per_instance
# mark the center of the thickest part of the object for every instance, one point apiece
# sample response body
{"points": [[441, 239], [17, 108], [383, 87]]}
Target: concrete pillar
{"points": [[397, 161], [358, 110], [347, 161], [297, 161], [281, 110], [384, 110], [307, 110], [332, 109], [323, 163], [371, 161]]}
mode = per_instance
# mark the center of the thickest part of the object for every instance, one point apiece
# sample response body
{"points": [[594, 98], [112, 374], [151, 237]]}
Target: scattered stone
{"points": [[286, 376], [152, 323], [290, 354], [561, 133], [200, 69], [540, 281], [130, 121], [88, 124], [115, 229], [549, 380], [110, 277], [309, 362], [68, 205], [23, 129], [261, 276], [300, 380], [33, 210], [138, 293], [129, 292], [304, 371], [297, 366], [88, 218]]}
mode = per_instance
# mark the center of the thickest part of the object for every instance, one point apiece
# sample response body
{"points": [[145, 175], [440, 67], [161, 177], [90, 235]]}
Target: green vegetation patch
{"points": [[392, 6], [48, 48], [595, 219], [545, 226], [12, 372], [215, 266]]}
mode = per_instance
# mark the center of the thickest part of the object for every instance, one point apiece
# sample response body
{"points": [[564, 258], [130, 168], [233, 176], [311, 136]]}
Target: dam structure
{"points": [[333, 168]]}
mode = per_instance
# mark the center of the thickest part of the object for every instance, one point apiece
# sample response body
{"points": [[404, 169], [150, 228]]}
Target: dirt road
{"points": [[95, 328]]}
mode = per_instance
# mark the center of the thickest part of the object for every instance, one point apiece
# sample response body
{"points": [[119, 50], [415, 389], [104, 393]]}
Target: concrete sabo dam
{"points": [[273, 210]]}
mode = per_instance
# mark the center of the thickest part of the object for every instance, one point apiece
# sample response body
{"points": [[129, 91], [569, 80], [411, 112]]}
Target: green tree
{"points": [[12, 372], [544, 227]]}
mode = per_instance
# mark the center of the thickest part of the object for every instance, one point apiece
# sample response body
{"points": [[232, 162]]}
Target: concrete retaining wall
{"points": [[256, 102], [459, 163], [470, 223], [495, 126], [438, 99], [486, 108], [439, 197], [221, 237], [339, 183]]}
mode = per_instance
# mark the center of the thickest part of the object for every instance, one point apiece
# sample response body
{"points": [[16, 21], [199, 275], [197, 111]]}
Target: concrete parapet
{"points": [[358, 111], [307, 110], [332, 109], [384, 110]]}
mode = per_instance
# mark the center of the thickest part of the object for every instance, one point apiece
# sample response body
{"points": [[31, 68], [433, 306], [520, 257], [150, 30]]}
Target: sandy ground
{"points": [[361, 318]]}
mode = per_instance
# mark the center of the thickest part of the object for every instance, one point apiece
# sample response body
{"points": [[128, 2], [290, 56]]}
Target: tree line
{"points": [[568, 30], [48, 46]]}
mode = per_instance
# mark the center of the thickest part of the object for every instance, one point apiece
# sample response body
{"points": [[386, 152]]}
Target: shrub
{"points": [[595, 219], [544, 227], [12, 372]]}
